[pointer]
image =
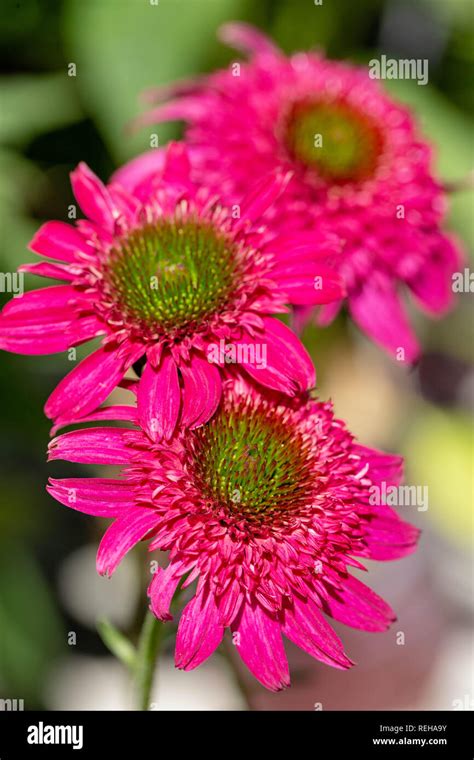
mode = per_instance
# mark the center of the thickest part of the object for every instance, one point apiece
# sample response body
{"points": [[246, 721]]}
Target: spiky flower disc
{"points": [[359, 168], [165, 274], [263, 510]]}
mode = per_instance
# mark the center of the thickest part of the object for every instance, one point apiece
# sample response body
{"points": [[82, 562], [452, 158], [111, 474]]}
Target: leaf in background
{"points": [[31, 105], [30, 631], [117, 643], [122, 49]]}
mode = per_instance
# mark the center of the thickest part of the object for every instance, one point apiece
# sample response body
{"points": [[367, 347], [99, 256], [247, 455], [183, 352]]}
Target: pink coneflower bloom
{"points": [[163, 274], [358, 163], [265, 507]]}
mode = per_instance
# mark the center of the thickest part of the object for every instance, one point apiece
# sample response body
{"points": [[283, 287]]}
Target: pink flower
{"points": [[164, 274], [359, 168], [265, 507]]}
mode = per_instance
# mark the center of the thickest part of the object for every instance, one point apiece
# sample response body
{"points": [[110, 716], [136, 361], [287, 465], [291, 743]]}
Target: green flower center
{"points": [[341, 144], [172, 274], [251, 461]]}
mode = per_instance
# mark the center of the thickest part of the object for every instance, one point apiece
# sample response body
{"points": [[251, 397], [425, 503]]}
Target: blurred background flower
{"points": [[72, 71]]}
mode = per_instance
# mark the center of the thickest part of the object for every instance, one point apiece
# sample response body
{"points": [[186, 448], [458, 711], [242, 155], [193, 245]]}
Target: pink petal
{"points": [[177, 167], [309, 284], [264, 193], [387, 468], [57, 240], [89, 384], [186, 109], [41, 302], [306, 627], [390, 538], [122, 536], [378, 312], [328, 313], [301, 316], [132, 174], [47, 269], [202, 388], [358, 606], [127, 413], [44, 321], [289, 366], [33, 338], [199, 632], [260, 646], [93, 446], [162, 588], [93, 197], [101, 497], [299, 247], [159, 399], [246, 38], [433, 286]]}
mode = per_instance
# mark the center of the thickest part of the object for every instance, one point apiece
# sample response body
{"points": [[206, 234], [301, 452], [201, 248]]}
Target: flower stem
{"points": [[148, 647]]}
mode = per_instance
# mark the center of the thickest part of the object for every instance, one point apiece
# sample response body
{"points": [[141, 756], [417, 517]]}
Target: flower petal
{"points": [[33, 338], [126, 531], [93, 446], [101, 497], [89, 384], [44, 321], [202, 388], [378, 311], [288, 365], [259, 644], [48, 269], [264, 193], [199, 632], [390, 537], [116, 412], [246, 38], [305, 626], [41, 302], [58, 240], [309, 284], [159, 399], [132, 174], [162, 588], [177, 166], [358, 606], [93, 197]]}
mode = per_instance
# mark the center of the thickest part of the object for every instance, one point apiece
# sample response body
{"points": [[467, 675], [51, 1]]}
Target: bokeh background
{"points": [[50, 597]]}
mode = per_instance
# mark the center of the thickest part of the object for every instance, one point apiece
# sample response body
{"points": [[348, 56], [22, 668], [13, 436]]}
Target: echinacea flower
{"points": [[359, 166], [163, 274], [264, 509]]}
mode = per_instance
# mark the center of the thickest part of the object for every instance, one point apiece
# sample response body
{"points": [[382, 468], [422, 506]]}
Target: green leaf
{"points": [[122, 49], [32, 105], [117, 643], [31, 632]]}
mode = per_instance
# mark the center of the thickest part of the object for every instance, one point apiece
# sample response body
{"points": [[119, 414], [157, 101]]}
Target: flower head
{"points": [[164, 274], [265, 507], [358, 167]]}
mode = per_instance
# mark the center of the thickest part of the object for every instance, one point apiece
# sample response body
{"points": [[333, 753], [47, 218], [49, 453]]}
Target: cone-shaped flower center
{"points": [[340, 143], [252, 460], [172, 273]]}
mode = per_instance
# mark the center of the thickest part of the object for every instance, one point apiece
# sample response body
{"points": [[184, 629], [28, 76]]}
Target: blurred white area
{"points": [[87, 596], [451, 685], [89, 683]]}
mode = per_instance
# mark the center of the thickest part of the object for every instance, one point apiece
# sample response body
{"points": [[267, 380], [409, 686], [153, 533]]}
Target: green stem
{"points": [[148, 648]]}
